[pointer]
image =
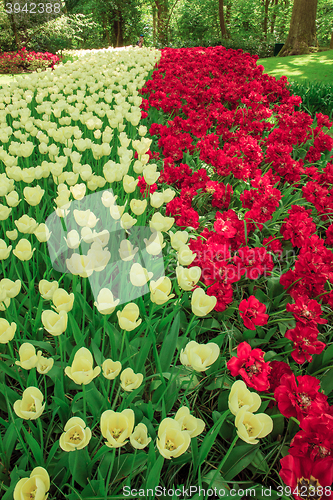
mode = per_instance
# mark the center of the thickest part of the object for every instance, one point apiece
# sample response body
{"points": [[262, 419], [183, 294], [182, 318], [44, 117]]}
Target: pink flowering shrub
{"points": [[22, 61]]}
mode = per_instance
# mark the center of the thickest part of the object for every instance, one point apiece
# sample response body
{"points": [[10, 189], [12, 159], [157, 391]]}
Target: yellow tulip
{"points": [[240, 396], [108, 199], [129, 184], [130, 380], [54, 323], [12, 235], [194, 426], [28, 356], [7, 331], [26, 224], [155, 243], [105, 301], [111, 369], [252, 427], [128, 317], [73, 239], [160, 223], [199, 356], [187, 278], [201, 303], [168, 195], [33, 195], [127, 251], [12, 288], [36, 486], [172, 441], [44, 365], [42, 233], [138, 206], [139, 439], [127, 221], [31, 405], [4, 212], [23, 250], [139, 275], [85, 218], [178, 239], [81, 371], [81, 265], [12, 199], [160, 290], [116, 427], [156, 199], [185, 255], [4, 251], [62, 300], [75, 436], [78, 191], [47, 288]]}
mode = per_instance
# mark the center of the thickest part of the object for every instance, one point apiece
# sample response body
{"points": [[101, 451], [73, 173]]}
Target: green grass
{"points": [[310, 67]]}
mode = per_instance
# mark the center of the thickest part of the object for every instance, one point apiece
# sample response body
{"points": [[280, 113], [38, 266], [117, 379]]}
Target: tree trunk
{"points": [[331, 44], [154, 25], [302, 31], [274, 17], [106, 32], [265, 23], [228, 13], [162, 16], [16, 35], [118, 29], [224, 33]]}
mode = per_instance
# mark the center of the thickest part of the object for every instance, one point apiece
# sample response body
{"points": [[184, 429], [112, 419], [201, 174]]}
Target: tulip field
{"points": [[166, 281]]}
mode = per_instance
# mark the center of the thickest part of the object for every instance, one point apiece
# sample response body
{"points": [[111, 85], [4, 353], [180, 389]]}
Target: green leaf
{"points": [[169, 344], [240, 457], [326, 383], [210, 437], [259, 462], [34, 447], [78, 461], [153, 478], [95, 401]]}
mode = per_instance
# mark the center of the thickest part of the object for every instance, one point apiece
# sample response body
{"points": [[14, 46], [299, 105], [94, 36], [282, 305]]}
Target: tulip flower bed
{"points": [[22, 60], [164, 231]]}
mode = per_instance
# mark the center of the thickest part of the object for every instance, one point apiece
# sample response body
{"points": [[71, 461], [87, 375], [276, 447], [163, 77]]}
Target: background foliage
{"points": [[252, 26]]}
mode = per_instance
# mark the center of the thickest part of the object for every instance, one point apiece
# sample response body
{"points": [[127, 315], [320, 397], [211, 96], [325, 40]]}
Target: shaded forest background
{"points": [[254, 26]]}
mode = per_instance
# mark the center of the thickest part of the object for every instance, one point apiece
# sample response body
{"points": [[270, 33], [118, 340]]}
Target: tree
{"points": [[302, 31], [331, 44], [224, 32]]}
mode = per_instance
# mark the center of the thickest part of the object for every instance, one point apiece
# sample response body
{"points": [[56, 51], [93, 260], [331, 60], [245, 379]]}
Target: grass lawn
{"points": [[311, 67]]}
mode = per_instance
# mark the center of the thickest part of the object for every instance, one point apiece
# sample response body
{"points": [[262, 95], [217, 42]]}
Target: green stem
{"points": [[187, 388], [39, 423], [110, 472], [223, 460], [116, 398], [84, 402]]}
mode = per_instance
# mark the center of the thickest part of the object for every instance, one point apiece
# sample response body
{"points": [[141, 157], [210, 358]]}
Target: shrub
{"points": [[21, 61]]}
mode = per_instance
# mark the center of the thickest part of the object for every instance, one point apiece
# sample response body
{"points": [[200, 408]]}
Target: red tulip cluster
{"points": [[254, 152]]}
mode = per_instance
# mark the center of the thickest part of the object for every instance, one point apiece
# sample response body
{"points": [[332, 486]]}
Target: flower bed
{"points": [[142, 274], [23, 61]]}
